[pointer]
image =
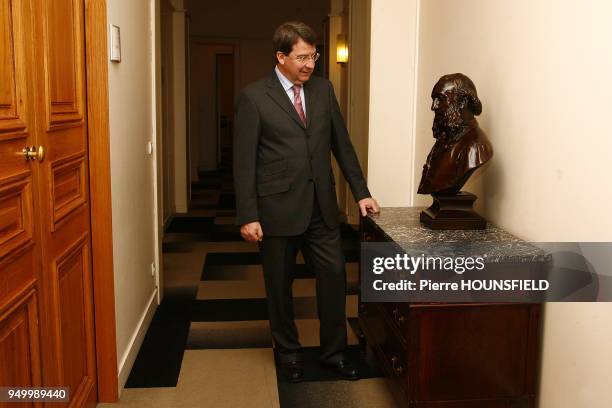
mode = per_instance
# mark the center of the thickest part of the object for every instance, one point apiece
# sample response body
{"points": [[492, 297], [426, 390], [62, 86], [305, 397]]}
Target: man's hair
{"points": [[466, 89], [288, 34]]}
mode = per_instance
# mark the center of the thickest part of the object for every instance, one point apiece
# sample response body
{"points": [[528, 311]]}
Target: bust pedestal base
{"points": [[453, 212]]}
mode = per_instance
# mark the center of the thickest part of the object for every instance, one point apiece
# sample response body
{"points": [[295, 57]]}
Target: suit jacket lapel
{"points": [[278, 94], [310, 94]]}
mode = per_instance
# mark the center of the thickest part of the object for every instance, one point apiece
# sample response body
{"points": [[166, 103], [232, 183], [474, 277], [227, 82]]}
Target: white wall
{"points": [[541, 69], [357, 94], [392, 88], [132, 180]]}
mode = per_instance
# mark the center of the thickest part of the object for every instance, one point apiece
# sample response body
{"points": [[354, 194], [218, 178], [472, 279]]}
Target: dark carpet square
{"points": [[177, 246], [208, 174], [206, 184], [231, 273], [216, 310], [202, 206], [232, 258], [198, 225], [159, 359], [203, 193], [226, 233], [190, 237], [226, 213], [219, 310]]}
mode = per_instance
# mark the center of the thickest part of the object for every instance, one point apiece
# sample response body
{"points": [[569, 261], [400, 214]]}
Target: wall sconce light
{"points": [[342, 51]]}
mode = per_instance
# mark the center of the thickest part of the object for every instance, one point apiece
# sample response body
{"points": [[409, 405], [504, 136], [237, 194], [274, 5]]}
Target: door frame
{"points": [[96, 52], [195, 40]]}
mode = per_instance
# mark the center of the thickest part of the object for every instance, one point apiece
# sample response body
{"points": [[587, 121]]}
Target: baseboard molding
{"points": [[128, 358]]}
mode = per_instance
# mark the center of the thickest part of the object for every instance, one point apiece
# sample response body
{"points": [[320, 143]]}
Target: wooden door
{"points": [[48, 195], [20, 250]]}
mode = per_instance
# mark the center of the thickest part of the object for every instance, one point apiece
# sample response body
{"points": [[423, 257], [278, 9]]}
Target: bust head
{"points": [[461, 146], [455, 103]]}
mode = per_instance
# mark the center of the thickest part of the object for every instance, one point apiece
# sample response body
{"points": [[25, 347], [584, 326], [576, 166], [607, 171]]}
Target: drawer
{"points": [[395, 355], [390, 350], [397, 315]]}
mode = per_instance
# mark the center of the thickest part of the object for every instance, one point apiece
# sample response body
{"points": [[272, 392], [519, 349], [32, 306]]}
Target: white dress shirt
{"points": [[288, 87]]}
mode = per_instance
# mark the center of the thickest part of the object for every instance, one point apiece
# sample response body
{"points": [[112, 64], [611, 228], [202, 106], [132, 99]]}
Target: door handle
{"points": [[31, 153]]}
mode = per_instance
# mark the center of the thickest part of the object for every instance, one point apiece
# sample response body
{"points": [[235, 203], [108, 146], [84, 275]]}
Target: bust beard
{"points": [[449, 125]]}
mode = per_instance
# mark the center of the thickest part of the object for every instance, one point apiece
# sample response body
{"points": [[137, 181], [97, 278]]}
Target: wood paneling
{"points": [[73, 291], [7, 64], [69, 350], [19, 345], [12, 71], [20, 269], [100, 198], [68, 187], [16, 218], [64, 25]]}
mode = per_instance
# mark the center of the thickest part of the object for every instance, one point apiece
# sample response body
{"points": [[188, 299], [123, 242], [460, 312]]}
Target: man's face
{"points": [[295, 71], [448, 112]]}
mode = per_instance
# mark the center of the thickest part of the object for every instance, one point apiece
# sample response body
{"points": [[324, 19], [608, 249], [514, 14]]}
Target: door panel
{"points": [[8, 77], [19, 244], [16, 222], [72, 273], [68, 187], [64, 196], [18, 353], [63, 50]]}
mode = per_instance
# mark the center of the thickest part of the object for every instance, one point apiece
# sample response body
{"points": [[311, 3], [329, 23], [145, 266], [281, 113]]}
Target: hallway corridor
{"points": [[209, 343]]}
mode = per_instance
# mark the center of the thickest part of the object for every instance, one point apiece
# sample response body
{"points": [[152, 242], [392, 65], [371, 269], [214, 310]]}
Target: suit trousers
{"points": [[322, 251]]}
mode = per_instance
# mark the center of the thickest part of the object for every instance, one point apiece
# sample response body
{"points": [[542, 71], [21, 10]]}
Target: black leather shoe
{"points": [[345, 368], [293, 371]]}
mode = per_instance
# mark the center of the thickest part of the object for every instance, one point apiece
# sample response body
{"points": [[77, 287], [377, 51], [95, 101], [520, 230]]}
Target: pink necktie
{"points": [[297, 102]]}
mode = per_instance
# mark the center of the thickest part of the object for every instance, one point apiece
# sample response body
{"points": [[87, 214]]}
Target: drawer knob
{"points": [[398, 317], [396, 366]]}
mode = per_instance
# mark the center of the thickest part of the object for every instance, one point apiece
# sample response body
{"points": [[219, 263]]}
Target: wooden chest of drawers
{"points": [[454, 355]]}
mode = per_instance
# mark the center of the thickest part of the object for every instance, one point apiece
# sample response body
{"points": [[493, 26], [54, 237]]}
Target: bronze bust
{"points": [[460, 148]]}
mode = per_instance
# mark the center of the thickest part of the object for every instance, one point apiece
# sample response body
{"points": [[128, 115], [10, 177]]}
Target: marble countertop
{"points": [[402, 225]]}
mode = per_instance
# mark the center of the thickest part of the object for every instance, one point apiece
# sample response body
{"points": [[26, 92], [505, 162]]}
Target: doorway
{"points": [[224, 89], [212, 87]]}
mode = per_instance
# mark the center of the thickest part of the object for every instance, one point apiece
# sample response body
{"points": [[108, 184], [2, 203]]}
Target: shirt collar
{"points": [[287, 84]]}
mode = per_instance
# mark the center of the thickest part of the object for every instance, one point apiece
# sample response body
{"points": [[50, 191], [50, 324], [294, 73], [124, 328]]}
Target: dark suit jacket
{"points": [[279, 162]]}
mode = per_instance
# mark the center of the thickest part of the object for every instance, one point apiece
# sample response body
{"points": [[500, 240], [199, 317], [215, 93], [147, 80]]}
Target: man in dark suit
{"points": [[286, 126]]}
